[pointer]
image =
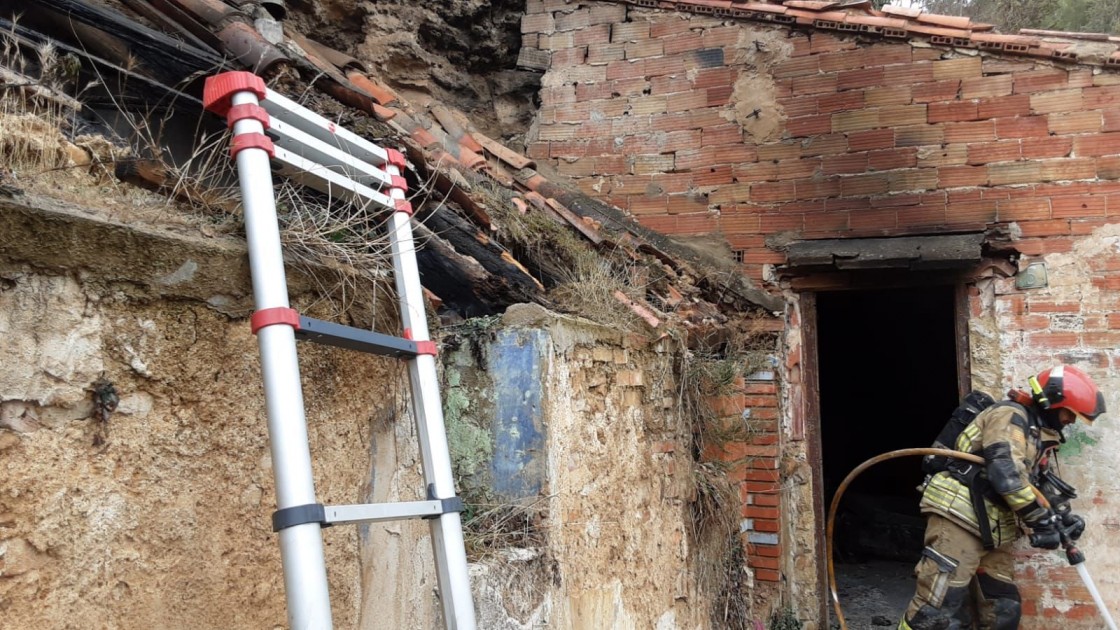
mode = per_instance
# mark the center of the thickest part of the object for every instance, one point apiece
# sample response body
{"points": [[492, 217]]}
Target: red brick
{"points": [[823, 43], [668, 85], [773, 191], [1004, 106], [1059, 101], [767, 575], [1096, 145], [664, 26], [809, 125], [936, 91], [1077, 207], [1079, 122], [682, 43], [714, 77], [952, 112], [844, 164], [1052, 227], [1002, 151], [796, 66], [868, 140], [826, 222], [919, 135], [1101, 97], [815, 84], [795, 106], [719, 96], [978, 131], [868, 184], [986, 87], [1039, 148], [971, 212], [856, 120], [828, 144], [1022, 127], [1023, 209], [1073, 168], [865, 77], [1025, 172], [1040, 81], [840, 101], [892, 158], [954, 176], [944, 155], [686, 101], [888, 95], [764, 563], [963, 68], [871, 220], [769, 223], [908, 74]]}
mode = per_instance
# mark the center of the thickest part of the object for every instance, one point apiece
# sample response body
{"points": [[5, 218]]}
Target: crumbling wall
{"points": [[609, 496], [152, 509]]}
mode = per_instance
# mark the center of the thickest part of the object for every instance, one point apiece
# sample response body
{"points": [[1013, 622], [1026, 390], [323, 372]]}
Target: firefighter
{"points": [[973, 513]]}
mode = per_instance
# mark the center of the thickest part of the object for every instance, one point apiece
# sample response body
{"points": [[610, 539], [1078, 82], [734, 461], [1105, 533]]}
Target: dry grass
{"points": [[489, 528]]}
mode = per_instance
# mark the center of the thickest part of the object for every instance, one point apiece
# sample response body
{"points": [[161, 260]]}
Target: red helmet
{"points": [[1066, 387]]}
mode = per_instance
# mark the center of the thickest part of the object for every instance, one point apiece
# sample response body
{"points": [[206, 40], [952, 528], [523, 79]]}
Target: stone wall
{"points": [[610, 484]]}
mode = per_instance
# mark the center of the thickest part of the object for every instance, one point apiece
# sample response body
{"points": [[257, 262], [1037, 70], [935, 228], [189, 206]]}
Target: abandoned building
{"points": [[688, 264]]}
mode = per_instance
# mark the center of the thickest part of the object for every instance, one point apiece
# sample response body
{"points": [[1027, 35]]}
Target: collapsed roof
{"points": [[155, 54]]}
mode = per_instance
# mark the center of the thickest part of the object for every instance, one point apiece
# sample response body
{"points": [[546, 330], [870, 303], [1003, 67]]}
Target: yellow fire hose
{"points": [[855, 473]]}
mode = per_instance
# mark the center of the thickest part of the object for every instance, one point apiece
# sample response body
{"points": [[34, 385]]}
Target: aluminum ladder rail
{"points": [[274, 134]]}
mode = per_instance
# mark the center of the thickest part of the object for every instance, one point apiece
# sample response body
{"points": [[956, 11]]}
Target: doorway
{"points": [[888, 379]]}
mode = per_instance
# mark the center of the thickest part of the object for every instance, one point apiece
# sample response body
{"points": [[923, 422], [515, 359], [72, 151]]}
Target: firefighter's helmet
{"points": [[1066, 387]]}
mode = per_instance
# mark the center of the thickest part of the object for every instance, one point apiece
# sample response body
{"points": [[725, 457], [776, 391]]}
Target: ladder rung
{"points": [[323, 179], [290, 112], [312, 149], [377, 512], [339, 336]]}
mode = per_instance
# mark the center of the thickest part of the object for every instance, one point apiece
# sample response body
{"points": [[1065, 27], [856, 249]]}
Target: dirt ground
{"points": [[873, 594]]}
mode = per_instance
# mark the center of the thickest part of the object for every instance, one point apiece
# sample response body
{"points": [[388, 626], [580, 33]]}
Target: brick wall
{"points": [[873, 139], [698, 125], [752, 467]]}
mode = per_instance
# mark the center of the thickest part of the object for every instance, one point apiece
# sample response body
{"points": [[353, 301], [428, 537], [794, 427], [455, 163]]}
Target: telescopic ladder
{"points": [[272, 133]]}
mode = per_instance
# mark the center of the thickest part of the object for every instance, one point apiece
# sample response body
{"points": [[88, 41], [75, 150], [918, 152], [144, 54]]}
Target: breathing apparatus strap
{"points": [[969, 475]]}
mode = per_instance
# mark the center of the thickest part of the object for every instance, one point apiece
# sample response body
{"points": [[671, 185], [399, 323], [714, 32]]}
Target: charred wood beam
{"points": [[165, 57], [464, 285], [467, 240], [725, 286], [136, 82]]}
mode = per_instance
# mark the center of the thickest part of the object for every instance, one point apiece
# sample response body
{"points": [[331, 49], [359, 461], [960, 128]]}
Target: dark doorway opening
{"points": [[888, 380]]}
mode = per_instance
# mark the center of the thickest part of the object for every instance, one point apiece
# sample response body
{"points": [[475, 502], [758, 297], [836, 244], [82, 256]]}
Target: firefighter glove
{"points": [[1045, 533], [1073, 526]]}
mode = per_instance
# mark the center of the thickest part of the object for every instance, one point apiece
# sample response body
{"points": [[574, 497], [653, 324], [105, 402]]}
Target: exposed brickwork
{"points": [[752, 466], [696, 125], [878, 138]]}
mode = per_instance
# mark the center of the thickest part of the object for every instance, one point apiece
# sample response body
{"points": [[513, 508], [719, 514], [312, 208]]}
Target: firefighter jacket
{"points": [[1014, 442]]}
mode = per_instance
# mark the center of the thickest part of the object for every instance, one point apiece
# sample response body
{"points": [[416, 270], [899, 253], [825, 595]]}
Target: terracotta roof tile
{"points": [[895, 22], [948, 21]]}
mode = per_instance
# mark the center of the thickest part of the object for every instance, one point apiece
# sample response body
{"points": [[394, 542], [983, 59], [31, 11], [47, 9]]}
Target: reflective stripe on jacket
{"points": [[1011, 441]]}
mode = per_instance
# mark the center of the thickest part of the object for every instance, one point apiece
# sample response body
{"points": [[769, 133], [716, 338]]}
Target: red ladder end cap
{"points": [[273, 316], [218, 91], [395, 158], [248, 111], [403, 205], [251, 141], [398, 182]]}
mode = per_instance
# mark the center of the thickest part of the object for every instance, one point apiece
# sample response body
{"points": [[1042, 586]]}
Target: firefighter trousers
{"points": [[952, 557]]}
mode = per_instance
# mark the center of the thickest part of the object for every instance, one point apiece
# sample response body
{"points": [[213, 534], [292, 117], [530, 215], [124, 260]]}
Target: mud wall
{"points": [[155, 514], [587, 437]]}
